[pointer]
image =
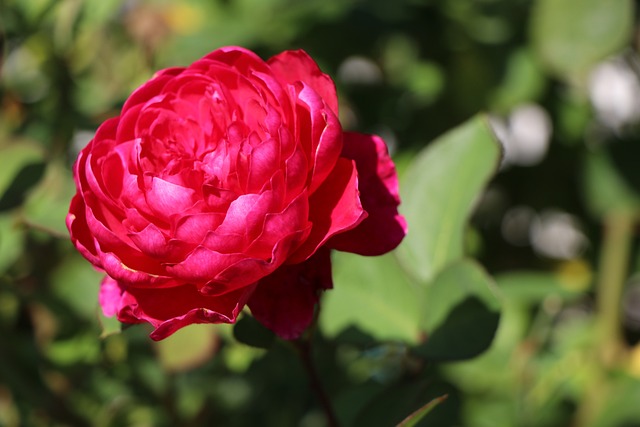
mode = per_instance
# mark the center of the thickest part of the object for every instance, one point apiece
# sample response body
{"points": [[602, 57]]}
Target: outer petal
{"points": [[285, 300], [319, 132], [79, 230], [151, 88], [384, 228], [110, 296], [334, 208], [296, 65], [169, 309]]}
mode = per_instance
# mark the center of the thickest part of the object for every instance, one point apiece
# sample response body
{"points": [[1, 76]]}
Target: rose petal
{"points": [[245, 217], [110, 296], [151, 88], [167, 199], [79, 230], [278, 225], [194, 228], [169, 309], [250, 270], [263, 163], [295, 172], [145, 277], [243, 60], [296, 65], [334, 208], [203, 265], [319, 134], [384, 228], [285, 300], [151, 241]]}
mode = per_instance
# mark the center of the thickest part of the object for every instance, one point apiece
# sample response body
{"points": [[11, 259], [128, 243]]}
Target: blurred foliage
{"points": [[535, 244]]}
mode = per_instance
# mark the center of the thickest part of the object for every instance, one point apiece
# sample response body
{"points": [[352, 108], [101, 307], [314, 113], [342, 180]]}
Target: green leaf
{"points": [[83, 348], [11, 240], [623, 409], [605, 189], [249, 331], [110, 325], [523, 82], [22, 168], [438, 193], [462, 313], [418, 415], [373, 294], [350, 401], [77, 283], [392, 405], [187, 348], [570, 36], [532, 287], [47, 205]]}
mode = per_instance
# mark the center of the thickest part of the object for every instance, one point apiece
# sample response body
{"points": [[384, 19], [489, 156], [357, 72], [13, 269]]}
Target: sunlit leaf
{"points": [[374, 294], [76, 282], [439, 191], [462, 313], [570, 36], [187, 348], [78, 349], [532, 287]]}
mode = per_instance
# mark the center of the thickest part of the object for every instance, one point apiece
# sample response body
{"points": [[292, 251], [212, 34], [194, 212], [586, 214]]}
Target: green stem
{"points": [[609, 345], [304, 350], [613, 269]]}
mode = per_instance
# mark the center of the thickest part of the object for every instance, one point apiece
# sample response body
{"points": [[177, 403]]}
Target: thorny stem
{"points": [[303, 346]]}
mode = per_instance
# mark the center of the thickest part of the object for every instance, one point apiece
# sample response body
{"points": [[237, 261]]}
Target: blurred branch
{"points": [[609, 344], [303, 346], [614, 262]]}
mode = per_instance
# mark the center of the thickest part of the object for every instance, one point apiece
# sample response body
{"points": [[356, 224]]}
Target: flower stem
{"points": [[613, 268], [304, 350], [609, 345]]}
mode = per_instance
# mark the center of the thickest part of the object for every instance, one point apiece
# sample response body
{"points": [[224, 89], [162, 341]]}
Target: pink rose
{"points": [[225, 184]]}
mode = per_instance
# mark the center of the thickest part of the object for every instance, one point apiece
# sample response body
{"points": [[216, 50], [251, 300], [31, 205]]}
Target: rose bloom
{"points": [[226, 184]]}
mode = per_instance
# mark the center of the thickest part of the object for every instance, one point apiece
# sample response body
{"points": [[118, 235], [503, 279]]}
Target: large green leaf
{"points": [[462, 313], [570, 36], [373, 294], [439, 191]]}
